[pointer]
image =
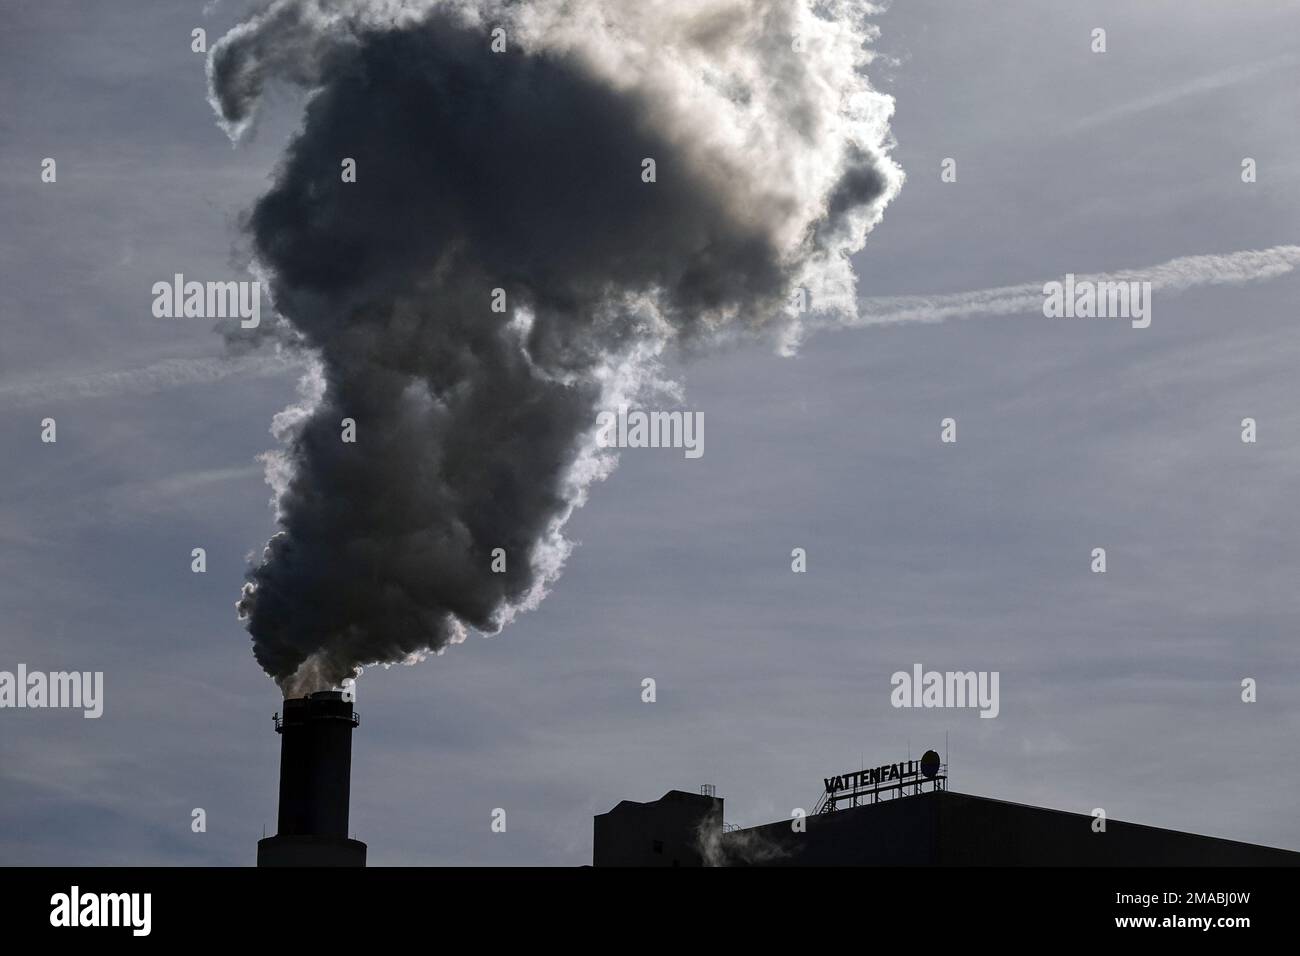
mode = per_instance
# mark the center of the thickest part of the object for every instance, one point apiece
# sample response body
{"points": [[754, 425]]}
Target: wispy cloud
{"points": [[1174, 276]]}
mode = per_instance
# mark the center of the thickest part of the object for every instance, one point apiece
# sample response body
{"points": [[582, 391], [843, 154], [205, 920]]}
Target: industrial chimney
{"points": [[315, 778]]}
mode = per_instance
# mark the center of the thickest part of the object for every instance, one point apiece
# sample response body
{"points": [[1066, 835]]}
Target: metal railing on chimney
{"points": [[278, 720]]}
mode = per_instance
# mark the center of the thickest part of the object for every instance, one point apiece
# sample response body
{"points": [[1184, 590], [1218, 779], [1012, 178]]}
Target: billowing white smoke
{"points": [[520, 170]]}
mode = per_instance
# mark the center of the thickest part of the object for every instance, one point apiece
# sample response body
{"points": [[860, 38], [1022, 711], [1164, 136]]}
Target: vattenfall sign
{"points": [[926, 767]]}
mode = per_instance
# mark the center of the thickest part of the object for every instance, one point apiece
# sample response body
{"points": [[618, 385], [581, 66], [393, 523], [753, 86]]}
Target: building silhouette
{"points": [[935, 828]]}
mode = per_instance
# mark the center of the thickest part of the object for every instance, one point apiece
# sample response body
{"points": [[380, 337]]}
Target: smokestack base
{"points": [[310, 851]]}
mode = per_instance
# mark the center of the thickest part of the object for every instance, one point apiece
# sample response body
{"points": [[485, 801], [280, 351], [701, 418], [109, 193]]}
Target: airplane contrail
{"points": [[144, 380], [1210, 83], [1174, 276]]}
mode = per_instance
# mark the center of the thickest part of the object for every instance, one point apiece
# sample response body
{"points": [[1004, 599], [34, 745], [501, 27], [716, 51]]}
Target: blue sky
{"points": [[1119, 691]]}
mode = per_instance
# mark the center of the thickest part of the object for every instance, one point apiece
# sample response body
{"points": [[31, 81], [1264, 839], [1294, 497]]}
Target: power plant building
{"points": [[891, 819]]}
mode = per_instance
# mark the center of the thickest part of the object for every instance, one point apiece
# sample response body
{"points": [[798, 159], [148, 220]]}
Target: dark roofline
{"points": [[1030, 806], [1110, 819], [672, 796]]}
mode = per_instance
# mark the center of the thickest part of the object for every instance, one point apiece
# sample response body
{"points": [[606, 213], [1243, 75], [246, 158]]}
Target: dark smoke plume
{"points": [[519, 171]]}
